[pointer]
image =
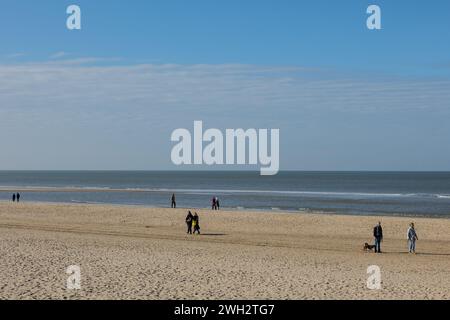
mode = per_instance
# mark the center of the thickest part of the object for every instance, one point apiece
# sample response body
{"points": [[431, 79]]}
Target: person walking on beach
{"points": [[213, 203], [14, 198], [411, 235], [18, 197], [378, 235], [189, 221], [196, 223], [174, 203], [217, 204]]}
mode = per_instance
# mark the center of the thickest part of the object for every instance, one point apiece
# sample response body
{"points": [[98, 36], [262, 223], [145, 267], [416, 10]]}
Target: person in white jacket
{"points": [[411, 235]]}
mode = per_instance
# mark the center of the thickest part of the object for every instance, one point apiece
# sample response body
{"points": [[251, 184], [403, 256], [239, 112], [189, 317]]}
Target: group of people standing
{"points": [[411, 236], [16, 197], [193, 222], [215, 204]]}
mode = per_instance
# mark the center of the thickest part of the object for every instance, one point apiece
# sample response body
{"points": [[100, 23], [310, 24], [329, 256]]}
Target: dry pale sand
{"points": [[142, 253]]}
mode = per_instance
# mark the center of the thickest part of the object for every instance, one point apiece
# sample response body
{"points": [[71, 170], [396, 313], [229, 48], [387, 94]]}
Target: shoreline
{"points": [[342, 193], [249, 210]]}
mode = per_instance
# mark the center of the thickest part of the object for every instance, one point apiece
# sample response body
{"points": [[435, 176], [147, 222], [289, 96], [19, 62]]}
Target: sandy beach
{"points": [[145, 253]]}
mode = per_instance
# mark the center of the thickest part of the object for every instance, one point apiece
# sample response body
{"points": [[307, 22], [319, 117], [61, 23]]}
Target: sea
{"points": [[358, 193]]}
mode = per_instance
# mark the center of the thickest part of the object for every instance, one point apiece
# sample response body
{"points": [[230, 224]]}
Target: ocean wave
{"points": [[338, 194], [88, 202]]}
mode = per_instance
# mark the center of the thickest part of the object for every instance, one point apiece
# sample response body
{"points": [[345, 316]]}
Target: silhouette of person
{"points": [[18, 197], [14, 197], [378, 235], [189, 220], [412, 237], [174, 203], [196, 223]]}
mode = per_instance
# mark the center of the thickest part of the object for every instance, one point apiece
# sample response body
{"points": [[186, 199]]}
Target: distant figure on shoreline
{"points": [[196, 223], [189, 221], [411, 235], [174, 202], [378, 235], [14, 197], [215, 205], [18, 197]]}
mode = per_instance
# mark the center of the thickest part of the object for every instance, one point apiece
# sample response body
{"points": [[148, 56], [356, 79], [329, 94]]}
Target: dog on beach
{"points": [[368, 247]]}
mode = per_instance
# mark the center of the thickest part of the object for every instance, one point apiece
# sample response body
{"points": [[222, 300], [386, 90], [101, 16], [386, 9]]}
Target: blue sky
{"points": [[415, 34], [108, 96]]}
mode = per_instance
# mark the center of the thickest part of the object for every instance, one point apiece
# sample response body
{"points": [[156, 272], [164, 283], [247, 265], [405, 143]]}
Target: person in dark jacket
{"points": [[196, 223], [378, 235], [18, 197], [174, 202], [189, 219], [14, 198]]}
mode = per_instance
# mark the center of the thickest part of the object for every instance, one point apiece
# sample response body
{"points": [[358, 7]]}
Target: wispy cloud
{"points": [[238, 88], [58, 55], [78, 61], [15, 55], [112, 115]]}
